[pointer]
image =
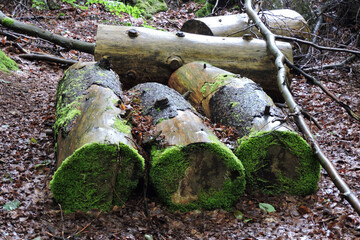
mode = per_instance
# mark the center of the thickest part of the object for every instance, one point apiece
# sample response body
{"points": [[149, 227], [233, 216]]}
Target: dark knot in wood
{"points": [[133, 33], [161, 103]]}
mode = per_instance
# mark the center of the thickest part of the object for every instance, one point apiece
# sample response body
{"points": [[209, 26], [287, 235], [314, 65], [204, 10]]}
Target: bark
{"points": [[38, 32], [283, 22], [97, 164], [275, 157], [294, 108], [140, 55], [194, 170]]}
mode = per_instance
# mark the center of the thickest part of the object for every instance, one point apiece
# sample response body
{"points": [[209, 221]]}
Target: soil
{"points": [[27, 160]]}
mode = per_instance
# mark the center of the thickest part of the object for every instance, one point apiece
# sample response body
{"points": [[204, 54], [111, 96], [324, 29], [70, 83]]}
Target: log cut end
{"points": [[199, 175], [278, 162], [97, 176]]}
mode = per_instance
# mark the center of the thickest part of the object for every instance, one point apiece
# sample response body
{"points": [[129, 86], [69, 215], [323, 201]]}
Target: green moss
{"points": [[7, 22], [151, 6], [169, 167], [267, 176], [6, 63], [205, 10], [96, 176], [121, 126], [219, 81]]}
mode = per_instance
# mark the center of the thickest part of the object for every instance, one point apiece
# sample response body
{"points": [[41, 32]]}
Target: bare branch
{"points": [[295, 109]]}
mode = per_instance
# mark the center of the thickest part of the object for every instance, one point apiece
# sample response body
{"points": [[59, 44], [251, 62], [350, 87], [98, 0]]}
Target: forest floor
{"points": [[27, 161]]}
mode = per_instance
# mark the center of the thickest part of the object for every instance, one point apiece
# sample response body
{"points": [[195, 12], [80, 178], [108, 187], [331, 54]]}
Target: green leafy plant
{"points": [[116, 7], [267, 207], [38, 4], [12, 205]]}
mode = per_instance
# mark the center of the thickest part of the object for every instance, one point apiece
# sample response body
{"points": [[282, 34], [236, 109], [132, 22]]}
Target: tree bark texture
{"points": [[275, 157], [141, 55], [38, 32], [194, 170], [97, 164], [282, 22]]}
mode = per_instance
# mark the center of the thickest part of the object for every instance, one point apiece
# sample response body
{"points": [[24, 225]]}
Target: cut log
{"points": [[194, 170], [142, 55], [284, 22], [275, 157], [97, 164]]}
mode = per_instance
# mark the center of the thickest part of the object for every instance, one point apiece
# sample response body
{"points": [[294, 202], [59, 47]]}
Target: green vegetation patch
{"points": [[186, 181], [7, 22], [6, 63], [96, 176], [278, 162], [151, 6], [121, 126]]}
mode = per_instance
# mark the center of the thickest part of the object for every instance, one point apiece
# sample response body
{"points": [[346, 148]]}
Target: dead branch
{"points": [[331, 66], [48, 58], [313, 80], [38, 32], [295, 109]]}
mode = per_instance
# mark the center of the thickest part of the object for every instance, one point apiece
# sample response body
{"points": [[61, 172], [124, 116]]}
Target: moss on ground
{"points": [[151, 6], [96, 176], [6, 63], [264, 175], [169, 167]]}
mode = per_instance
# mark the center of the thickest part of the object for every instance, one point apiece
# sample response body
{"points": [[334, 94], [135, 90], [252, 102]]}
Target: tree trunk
{"points": [[97, 164], [38, 32], [275, 157], [284, 22], [194, 170], [141, 55]]}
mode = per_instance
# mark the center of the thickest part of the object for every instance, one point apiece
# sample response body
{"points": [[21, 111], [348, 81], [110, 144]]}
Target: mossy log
{"points": [[284, 22], [275, 157], [97, 164], [195, 170], [141, 55]]}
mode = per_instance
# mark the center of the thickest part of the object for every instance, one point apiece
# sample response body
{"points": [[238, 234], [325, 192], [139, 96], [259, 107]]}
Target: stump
{"points": [[194, 170], [276, 159], [143, 55], [97, 164]]}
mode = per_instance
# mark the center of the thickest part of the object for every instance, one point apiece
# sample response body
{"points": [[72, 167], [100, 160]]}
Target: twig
{"points": [[294, 108], [48, 58], [242, 30], [213, 10], [317, 46], [331, 66], [325, 89], [315, 32]]}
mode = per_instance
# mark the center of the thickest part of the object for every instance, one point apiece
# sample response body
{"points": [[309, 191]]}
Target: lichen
{"points": [[269, 177], [121, 126], [169, 167], [96, 176], [6, 63]]}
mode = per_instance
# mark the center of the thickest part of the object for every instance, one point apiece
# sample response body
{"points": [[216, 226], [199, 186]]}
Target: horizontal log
{"points": [[194, 169], [275, 157], [284, 22], [97, 164], [141, 55]]}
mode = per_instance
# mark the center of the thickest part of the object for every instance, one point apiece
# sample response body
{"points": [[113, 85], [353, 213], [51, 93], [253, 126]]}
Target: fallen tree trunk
{"points": [[194, 170], [38, 32], [97, 164], [141, 55], [284, 22], [276, 159]]}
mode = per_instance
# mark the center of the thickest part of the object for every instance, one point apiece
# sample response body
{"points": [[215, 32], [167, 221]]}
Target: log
{"points": [[194, 169], [98, 166], [141, 55], [284, 22], [276, 159]]}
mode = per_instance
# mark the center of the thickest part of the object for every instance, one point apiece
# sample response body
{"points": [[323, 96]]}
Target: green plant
{"points": [[12, 205], [38, 4], [116, 7]]}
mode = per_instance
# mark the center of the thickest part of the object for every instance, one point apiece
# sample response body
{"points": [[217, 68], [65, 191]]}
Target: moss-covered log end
{"points": [[197, 176], [97, 176], [278, 162]]}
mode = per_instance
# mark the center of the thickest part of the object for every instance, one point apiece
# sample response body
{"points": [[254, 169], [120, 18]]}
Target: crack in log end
{"points": [[206, 172]]}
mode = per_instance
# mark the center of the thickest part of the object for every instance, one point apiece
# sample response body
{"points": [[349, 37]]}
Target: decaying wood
{"points": [[282, 21], [194, 169], [271, 162], [325, 162], [97, 165], [141, 55]]}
